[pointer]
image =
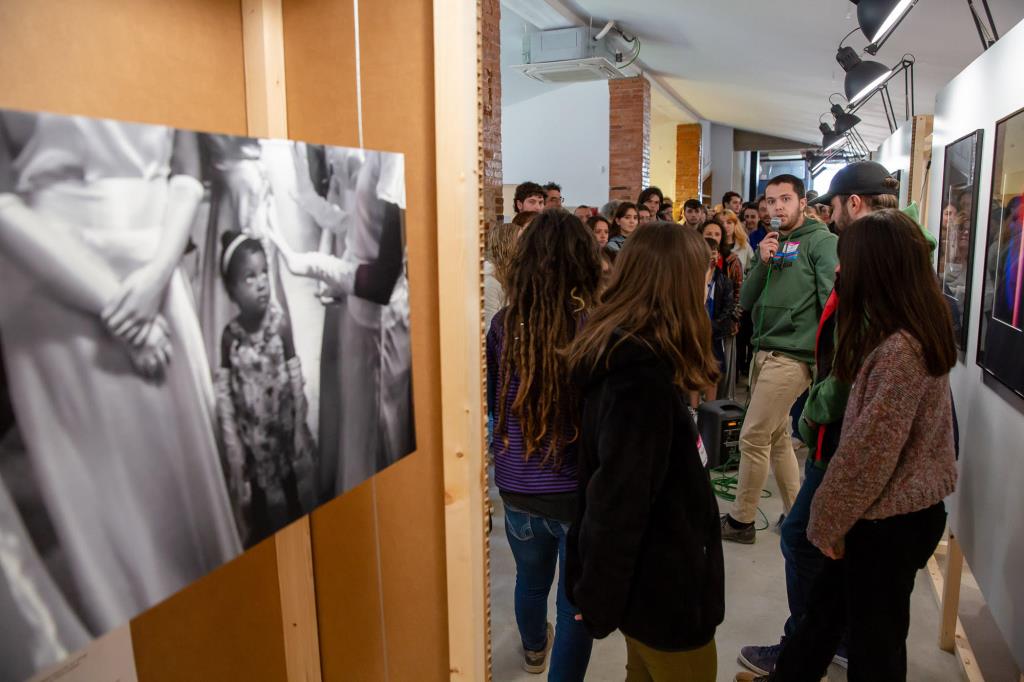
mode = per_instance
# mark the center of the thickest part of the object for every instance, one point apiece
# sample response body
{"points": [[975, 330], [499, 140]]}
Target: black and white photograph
{"points": [[203, 336]]}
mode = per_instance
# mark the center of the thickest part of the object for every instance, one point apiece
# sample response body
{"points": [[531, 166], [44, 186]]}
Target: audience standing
{"points": [[552, 195], [601, 228], [652, 198], [552, 285], [501, 248], [644, 555], [732, 268], [732, 201], [691, 213], [644, 214], [529, 196], [583, 212], [624, 223]]}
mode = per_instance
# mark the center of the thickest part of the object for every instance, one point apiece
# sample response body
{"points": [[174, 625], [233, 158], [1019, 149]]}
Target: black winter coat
{"points": [[645, 553]]}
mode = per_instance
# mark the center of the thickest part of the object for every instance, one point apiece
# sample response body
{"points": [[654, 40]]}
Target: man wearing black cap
{"points": [[857, 190], [861, 188]]}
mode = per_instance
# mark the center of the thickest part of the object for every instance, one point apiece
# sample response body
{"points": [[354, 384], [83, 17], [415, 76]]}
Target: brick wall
{"points": [[490, 98], [688, 163], [629, 139]]}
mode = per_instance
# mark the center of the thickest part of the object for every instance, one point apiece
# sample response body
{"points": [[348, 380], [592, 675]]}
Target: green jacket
{"points": [[827, 398], [787, 297]]}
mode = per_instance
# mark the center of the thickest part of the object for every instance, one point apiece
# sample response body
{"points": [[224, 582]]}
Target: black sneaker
{"points": [[536, 662], [745, 536]]}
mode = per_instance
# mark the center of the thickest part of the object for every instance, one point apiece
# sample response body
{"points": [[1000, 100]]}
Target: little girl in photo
{"points": [[261, 404]]}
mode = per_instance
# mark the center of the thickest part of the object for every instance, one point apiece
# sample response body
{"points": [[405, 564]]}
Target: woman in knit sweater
{"points": [[552, 284], [879, 512]]}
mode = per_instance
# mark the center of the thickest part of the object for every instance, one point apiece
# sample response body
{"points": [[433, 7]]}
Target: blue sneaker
{"points": [[760, 659]]}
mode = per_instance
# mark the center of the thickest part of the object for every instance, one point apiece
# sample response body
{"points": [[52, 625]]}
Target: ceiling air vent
{"points": [[571, 70]]}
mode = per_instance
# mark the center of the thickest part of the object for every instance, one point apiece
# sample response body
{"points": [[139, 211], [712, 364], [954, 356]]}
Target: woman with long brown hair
{"points": [[645, 552], [552, 285], [878, 514]]}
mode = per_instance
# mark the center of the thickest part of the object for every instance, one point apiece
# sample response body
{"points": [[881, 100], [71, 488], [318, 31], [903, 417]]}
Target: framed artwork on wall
{"points": [[961, 170], [1001, 342]]}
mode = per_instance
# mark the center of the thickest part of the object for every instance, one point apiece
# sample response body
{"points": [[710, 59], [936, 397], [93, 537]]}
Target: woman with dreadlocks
{"points": [[552, 284]]}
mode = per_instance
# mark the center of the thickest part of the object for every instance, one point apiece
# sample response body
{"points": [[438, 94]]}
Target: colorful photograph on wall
{"points": [[203, 337], [1001, 344], [961, 170]]}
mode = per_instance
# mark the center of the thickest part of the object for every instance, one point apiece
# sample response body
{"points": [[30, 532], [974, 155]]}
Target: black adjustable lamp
{"points": [[830, 139], [879, 18], [845, 121], [862, 78]]}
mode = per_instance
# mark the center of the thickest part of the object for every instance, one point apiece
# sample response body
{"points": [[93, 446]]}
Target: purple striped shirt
{"points": [[512, 472]]}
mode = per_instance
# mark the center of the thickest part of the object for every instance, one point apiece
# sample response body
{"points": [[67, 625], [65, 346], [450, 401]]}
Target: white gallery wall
{"points": [[988, 507], [895, 153], [559, 135]]}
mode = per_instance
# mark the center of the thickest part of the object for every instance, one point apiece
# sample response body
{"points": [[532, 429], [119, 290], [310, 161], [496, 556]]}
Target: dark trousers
{"points": [[744, 351], [868, 592], [803, 560]]}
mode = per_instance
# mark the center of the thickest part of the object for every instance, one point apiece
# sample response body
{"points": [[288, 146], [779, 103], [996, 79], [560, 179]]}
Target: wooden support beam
{"points": [[267, 112], [458, 126], [263, 45], [952, 637]]}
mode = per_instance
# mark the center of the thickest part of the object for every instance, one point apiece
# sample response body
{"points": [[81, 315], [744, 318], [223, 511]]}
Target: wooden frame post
{"points": [[267, 111], [458, 129], [946, 584]]}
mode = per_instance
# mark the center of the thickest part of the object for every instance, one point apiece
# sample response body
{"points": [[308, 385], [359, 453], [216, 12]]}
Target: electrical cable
{"points": [[635, 54], [848, 35]]}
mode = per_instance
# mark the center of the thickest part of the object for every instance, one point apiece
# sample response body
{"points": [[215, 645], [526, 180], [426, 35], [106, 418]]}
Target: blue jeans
{"points": [[537, 543], [803, 560]]}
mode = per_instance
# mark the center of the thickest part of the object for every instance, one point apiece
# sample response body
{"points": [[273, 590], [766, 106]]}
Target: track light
{"points": [[862, 78], [844, 121], [830, 139], [879, 18]]}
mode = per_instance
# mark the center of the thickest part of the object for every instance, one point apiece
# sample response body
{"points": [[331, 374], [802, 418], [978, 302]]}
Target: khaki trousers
{"points": [[644, 664], [776, 381]]}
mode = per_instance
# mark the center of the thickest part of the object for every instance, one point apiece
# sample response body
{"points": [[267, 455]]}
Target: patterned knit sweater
{"points": [[896, 451]]}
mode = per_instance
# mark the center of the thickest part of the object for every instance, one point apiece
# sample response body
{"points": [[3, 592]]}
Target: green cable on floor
{"points": [[725, 484]]}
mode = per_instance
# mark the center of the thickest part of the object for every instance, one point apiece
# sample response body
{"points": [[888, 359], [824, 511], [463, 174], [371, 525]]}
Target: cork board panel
{"points": [[226, 626], [177, 64], [173, 63], [345, 570], [412, 542], [320, 71]]}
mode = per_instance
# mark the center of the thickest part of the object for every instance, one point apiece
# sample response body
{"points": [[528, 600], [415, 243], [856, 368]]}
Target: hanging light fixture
{"points": [[844, 121], [879, 18], [830, 139], [862, 78]]}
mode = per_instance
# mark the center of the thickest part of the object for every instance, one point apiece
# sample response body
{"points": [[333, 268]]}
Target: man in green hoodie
{"points": [[785, 291]]}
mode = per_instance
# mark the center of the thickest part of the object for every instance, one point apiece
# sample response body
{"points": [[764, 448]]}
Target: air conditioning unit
{"points": [[567, 55]]}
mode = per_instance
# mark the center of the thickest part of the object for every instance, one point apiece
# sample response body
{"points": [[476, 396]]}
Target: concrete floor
{"points": [[755, 611]]}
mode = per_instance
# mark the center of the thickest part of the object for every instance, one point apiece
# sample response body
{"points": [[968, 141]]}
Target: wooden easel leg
{"points": [[951, 595]]}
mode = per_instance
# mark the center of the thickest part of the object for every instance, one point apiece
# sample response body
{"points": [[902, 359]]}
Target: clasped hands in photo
{"points": [[132, 317]]}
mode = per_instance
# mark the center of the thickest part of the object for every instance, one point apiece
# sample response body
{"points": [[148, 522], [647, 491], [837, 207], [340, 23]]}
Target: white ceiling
{"points": [[765, 65]]}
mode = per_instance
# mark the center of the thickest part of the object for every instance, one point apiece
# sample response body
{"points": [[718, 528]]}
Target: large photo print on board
{"points": [[203, 338], [1001, 343]]}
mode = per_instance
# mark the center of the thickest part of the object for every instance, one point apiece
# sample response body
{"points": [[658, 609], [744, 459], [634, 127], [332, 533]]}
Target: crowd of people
{"points": [[607, 328]]}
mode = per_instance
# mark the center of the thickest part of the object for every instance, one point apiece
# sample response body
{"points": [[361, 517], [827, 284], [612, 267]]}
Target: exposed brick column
{"points": [[490, 98], [688, 153], [629, 139]]}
